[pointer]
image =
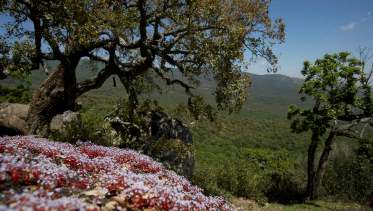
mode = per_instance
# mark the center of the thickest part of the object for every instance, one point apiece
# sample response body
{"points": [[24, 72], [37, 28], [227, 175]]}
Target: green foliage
{"points": [[349, 176], [278, 174], [198, 108], [137, 132], [271, 162], [365, 150], [258, 174], [334, 83], [91, 129], [95, 130], [341, 92], [144, 40], [19, 94], [171, 152], [242, 179], [249, 157], [19, 88]]}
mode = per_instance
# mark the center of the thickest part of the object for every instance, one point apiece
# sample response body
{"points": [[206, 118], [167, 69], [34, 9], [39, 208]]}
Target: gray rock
{"points": [[162, 137], [13, 119], [60, 122], [164, 126], [174, 154], [172, 143]]}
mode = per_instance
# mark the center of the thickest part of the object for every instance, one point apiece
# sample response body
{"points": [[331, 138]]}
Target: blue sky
{"points": [[316, 27]]}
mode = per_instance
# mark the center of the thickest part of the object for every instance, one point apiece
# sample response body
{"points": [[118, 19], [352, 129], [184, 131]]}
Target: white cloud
{"points": [[352, 25], [348, 27]]}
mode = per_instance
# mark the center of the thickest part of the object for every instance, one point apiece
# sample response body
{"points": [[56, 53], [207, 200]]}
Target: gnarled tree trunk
{"points": [[323, 162], [56, 95], [311, 172], [316, 173]]}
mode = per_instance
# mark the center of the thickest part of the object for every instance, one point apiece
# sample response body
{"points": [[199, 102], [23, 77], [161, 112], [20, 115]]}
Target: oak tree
{"points": [[340, 90], [133, 38]]}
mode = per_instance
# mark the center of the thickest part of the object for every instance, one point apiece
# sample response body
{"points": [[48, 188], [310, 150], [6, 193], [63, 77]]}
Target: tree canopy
{"points": [[340, 89], [132, 37]]}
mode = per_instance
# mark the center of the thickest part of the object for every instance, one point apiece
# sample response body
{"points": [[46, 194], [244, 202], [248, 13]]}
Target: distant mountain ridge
{"points": [[268, 93]]}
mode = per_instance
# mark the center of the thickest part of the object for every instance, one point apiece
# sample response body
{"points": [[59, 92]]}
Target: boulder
{"points": [[172, 143], [61, 122], [160, 136], [13, 118], [174, 154], [164, 126]]}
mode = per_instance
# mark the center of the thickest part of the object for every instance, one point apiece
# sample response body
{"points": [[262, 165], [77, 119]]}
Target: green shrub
{"points": [[349, 176], [258, 174], [285, 188], [19, 94], [206, 178], [92, 129], [96, 130], [243, 179], [136, 134], [173, 154]]}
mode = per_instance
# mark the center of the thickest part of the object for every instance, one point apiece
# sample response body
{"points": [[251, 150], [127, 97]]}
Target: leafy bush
{"points": [[19, 94], [206, 178], [136, 133], [92, 128], [349, 176], [281, 184], [243, 179], [259, 174], [285, 188]]}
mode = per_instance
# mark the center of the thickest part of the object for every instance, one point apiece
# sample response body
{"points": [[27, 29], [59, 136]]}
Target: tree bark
{"points": [[311, 172], [132, 96], [323, 162], [55, 95], [70, 84]]}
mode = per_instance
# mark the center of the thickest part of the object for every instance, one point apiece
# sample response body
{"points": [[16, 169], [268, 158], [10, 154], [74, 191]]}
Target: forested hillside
{"points": [[138, 104]]}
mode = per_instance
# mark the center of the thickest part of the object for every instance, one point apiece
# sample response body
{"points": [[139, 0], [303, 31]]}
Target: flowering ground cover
{"points": [[39, 174]]}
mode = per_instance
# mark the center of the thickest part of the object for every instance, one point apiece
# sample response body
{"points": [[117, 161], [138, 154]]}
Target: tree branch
{"points": [[95, 44], [348, 131], [51, 41], [142, 27], [173, 81], [98, 58], [95, 82]]}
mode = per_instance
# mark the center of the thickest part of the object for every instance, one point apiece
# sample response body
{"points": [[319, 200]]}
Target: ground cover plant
{"points": [[40, 174]]}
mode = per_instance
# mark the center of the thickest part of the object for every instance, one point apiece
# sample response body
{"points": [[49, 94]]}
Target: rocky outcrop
{"points": [[13, 119], [164, 138], [61, 122], [164, 126], [172, 143], [174, 154]]}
